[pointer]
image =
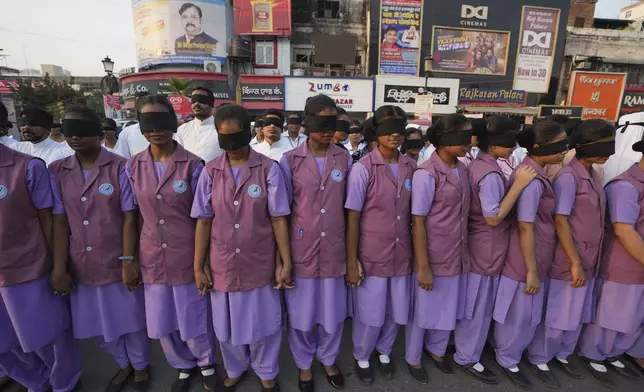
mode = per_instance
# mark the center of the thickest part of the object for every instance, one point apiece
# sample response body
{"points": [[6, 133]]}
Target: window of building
{"points": [[580, 22], [265, 53], [301, 58], [328, 9]]}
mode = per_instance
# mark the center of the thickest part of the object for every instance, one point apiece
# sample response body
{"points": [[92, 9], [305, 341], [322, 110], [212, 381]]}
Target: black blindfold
{"points": [[391, 126], [273, 121], [595, 150], [157, 121], [320, 123], [549, 149], [294, 121], [81, 128], [36, 120], [203, 99], [355, 129], [459, 138], [507, 140], [233, 141], [413, 144]]}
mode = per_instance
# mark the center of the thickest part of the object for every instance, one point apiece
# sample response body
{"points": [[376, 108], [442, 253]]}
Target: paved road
{"points": [[99, 369]]}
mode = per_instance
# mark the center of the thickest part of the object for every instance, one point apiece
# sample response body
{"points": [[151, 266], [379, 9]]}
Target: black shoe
{"points": [[305, 386], [77, 388], [183, 385], [5, 383], [117, 387], [623, 371], [232, 388], [209, 383], [634, 362], [337, 380], [519, 379], [568, 368], [444, 365], [547, 377], [487, 376], [365, 376], [419, 374], [274, 388], [142, 386], [603, 377], [387, 369]]}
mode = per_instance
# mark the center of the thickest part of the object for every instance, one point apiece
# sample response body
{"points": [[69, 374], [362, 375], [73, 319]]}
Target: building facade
{"points": [[582, 13]]}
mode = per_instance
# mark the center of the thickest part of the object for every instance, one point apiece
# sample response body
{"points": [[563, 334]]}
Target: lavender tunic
{"points": [[507, 165], [175, 308], [246, 317], [443, 305], [357, 185], [491, 193], [315, 301]]}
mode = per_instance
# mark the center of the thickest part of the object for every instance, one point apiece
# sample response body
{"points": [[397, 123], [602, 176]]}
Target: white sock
{"points": [[183, 376], [562, 360], [514, 369], [384, 358], [598, 367], [543, 368], [363, 364], [618, 364], [478, 367], [208, 372]]}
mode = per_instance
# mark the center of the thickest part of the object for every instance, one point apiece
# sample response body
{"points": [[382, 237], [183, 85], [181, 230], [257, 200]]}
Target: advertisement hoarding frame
{"points": [[289, 77], [571, 88], [418, 62]]}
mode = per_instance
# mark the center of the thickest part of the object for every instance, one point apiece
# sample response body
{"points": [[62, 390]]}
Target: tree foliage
{"points": [[180, 86]]}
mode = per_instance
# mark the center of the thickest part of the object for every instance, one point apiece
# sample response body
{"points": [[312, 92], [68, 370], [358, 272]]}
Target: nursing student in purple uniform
{"points": [[37, 348], [488, 236], [618, 327], [379, 243], [164, 178], [478, 127], [96, 220], [580, 207], [315, 175], [241, 206], [440, 205], [521, 292]]}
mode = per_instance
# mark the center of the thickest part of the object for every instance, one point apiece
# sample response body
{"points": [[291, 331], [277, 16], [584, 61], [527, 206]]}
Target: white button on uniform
{"points": [[237, 250], [86, 223], [83, 198], [236, 203], [323, 234], [164, 246], [161, 222], [322, 188], [397, 239], [89, 249], [158, 197], [398, 217], [236, 225], [323, 210]]}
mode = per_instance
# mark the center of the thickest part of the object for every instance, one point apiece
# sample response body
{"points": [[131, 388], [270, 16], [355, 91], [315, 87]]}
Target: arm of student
{"points": [[288, 177], [565, 189], [357, 183], [630, 240], [623, 206], [422, 198], [528, 205], [202, 211], [279, 210], [492, 184]]}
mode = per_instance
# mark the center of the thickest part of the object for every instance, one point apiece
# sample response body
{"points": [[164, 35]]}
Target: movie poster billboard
{"points": [[536, 52], [262, 17], [600, 93], [179, 31], [470, 51], [112, 107], [400, 37]]}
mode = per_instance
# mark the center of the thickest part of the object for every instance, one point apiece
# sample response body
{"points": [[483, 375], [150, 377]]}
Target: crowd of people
{"points": [[213, 230]]}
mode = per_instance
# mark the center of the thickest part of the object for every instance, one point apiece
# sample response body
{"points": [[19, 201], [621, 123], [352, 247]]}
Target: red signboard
{"points": [[181, 106], [262, 17]]}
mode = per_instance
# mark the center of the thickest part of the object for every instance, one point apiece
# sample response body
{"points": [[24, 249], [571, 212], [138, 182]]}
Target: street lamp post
{"points": [[108, 64], [109, 83], [428, 67]]}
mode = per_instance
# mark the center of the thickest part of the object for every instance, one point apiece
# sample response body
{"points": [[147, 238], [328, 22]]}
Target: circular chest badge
{"points": [[179, 186], [106, 189], [408, 184], [254, 190], [336, 175], [3, 191]]}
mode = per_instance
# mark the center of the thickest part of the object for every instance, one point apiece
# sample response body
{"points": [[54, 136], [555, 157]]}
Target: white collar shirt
{"points": [[297, 142], [200, 138], [130, 142], [274, 151], [47, 150]]}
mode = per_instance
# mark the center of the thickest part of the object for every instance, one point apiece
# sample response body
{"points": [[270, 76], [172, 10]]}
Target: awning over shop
{"points": [[500, 110]]}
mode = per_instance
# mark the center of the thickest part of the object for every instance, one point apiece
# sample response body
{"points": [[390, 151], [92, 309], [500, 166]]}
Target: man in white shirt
{"points": [[131, 140], [37, 124], [4, 127], [274, 145], [199, 136], [259, 134], [292, 133]]}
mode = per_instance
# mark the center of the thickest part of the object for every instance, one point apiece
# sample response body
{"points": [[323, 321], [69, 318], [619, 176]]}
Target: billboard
{"points": [[179, 32], [351, 94], [633, 101], [262, 17], [400, 37], [112, 107], [403, 91], [470, 51], [491, 97], [600, 93], [575, 112], [536, 51]]}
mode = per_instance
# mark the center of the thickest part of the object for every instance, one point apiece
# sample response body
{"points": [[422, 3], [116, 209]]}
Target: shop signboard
{"points": [[600, 93], [351, 94]]}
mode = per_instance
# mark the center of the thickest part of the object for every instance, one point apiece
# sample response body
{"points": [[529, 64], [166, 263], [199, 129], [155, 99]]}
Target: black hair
{"points": [[341, 111], [542, 132], [571, 124], [208, 91], [386, 112], [185, 6], [259, 123], [222, 105], [109, 123], [451, 123], [234, 113], [40, 112], [369, 130], [413, 130], [557, 118], [152, 100], [354, 123], [141, 94], [590, 131], [81, 112], [274, 112], [497, 125], [318, 103], [390, 28], [478, 126]]}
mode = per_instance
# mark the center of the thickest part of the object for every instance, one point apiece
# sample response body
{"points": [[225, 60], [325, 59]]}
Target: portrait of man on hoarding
{"points": [[390, 42], [194, 40]]}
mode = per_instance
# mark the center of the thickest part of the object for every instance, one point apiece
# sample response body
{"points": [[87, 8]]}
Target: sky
{"points": [[77, 34]]}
